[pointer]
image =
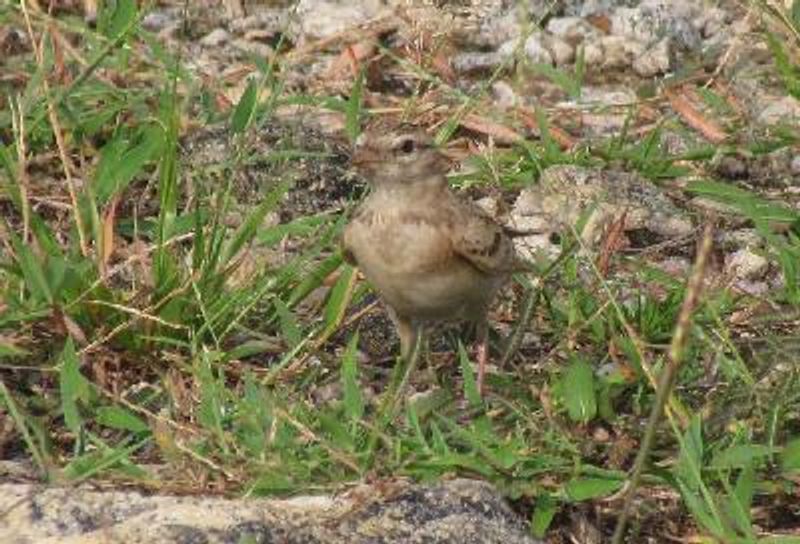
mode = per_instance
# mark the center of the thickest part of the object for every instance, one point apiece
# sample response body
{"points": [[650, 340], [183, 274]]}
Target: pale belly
{"points": [[413, 269]]}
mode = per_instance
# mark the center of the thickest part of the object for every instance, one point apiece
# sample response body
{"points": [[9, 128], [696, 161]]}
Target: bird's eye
{"points": [[407, 146]]}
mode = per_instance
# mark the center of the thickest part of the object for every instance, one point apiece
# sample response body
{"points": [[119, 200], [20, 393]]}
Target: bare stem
{"points": [[667, 378]]}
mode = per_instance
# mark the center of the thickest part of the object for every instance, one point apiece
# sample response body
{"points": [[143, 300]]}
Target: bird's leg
{"points": [[407, 331], [482, 351]]}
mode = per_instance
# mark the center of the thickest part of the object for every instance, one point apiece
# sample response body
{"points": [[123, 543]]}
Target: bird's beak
{"points": [[363, 154]]}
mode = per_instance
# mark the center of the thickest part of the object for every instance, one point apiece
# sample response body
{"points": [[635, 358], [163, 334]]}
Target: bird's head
{"points": [[399, 158]]}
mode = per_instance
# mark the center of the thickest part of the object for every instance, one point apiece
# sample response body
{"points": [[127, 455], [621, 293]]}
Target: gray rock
{"points": [[612, 52], [494, 30], [656, 60], [794, 166], [566, 193], [596, 118], [561, 50], [253, 47], [464, 511], [785, 109], [745, 264], [652, 21], [504, 96], [323, 18], [536, 51], [475, 62], [215, 38], [712, 21], [160, 19], [266, 20], [573, 29]]}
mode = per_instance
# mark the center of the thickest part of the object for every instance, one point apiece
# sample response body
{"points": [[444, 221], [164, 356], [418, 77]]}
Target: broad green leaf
{"points": [[245, 108], [353, 403], [581, 489], [742, 499], [699, 510], [117, 417], [352, 120], [741, 455], [790, 457], [339, 299], [118, 165], [32, 271], [690, 460], [543, 514], [748, 203], [247, 231], [579, 393], [74, 387], [290, 330], [123, 17], [313, 279]]}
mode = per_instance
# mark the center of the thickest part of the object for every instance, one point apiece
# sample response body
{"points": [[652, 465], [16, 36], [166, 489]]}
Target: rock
{"points": [[475, 62], [323, 18], [504, 96], [494, 30], [652, 21], [561, 50], [255, 48], [598, 120], [654, 61], [535, 50], [731, 240], [158, 20], [566, 193], [712, 21], [612, 52], [584, 8], [785, 109], [460, 510], [745, 264], [794, 166], [215, 38], [573, 29], [272, 21]]}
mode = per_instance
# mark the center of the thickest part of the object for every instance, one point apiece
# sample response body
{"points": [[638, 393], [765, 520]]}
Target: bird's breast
{"points": [[410, 261]]}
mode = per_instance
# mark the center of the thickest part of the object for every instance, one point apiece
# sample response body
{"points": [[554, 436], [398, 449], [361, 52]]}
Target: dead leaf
{"points": [[614, 241], [351, 58], [500, 133], [107, 236], [710, 130]]}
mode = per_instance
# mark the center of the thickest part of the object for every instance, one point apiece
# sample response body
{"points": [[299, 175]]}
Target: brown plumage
{"points": [[430, 255]]}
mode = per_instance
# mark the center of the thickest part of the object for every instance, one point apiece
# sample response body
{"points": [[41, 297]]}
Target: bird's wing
{"points": [[479, 240]]}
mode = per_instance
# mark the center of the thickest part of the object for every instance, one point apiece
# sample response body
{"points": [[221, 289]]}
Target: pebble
{"points": [[782, 110], [654, 61], [572, 29], [471, 62], [794, 166], [215, 38], [535, 50], [745, 264], [504, 96], [561, 50], [324, 18], [256, 48]]}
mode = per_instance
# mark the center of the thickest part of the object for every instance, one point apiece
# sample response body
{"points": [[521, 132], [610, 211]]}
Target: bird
{"points": [[430, 254]]}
